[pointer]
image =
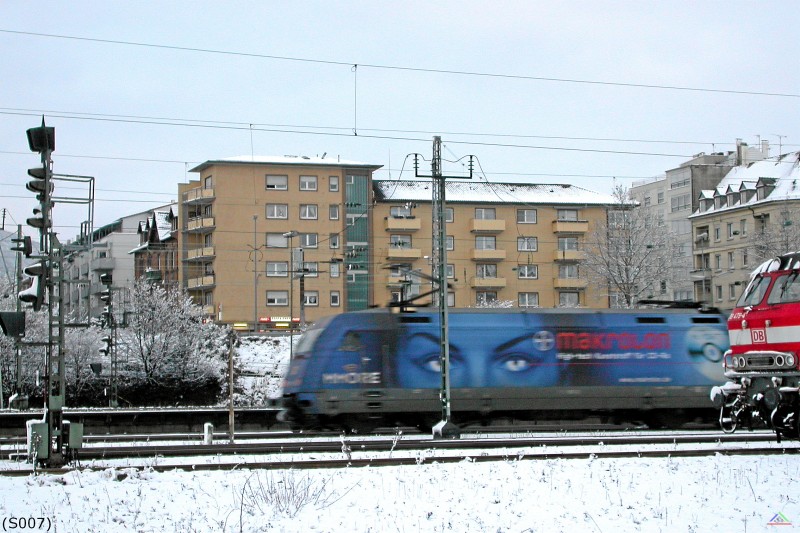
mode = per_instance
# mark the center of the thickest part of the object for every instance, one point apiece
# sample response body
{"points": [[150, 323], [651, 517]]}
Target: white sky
{"points": [[732, 46]]}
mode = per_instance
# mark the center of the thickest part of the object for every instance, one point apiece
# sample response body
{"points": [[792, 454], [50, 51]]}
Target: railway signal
{"points": [[34, 293], [23, 245]]}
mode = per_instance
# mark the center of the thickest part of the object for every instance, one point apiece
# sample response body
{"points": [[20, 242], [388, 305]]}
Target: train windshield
{"points": [[755, 292], [786, 289]]}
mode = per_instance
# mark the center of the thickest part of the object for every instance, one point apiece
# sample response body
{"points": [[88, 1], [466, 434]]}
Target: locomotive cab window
{"points": [[785, 290], [755, 293]]}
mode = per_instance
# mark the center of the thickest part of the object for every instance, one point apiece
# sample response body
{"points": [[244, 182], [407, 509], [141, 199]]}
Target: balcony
{"points": [[488, 283], [403, 225], [488, 255], [570, 226], [201, 282], [200, 253], [569, 255], [570, 283], [103, 263], [198, 196], [200, 225], [403, 253], [478, 225]]}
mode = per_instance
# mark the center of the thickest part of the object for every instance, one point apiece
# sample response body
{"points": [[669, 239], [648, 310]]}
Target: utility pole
{"points": [[445, 428]]}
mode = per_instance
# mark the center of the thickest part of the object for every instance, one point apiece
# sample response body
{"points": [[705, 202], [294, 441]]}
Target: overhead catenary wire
{"points": [[354, 64]]}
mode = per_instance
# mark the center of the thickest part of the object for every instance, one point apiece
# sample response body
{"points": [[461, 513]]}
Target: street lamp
{"points": [[290, 270]]}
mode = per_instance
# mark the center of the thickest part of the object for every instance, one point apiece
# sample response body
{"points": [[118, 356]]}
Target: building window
{"points": [[527, 244], [483, 271], [208, 182], [743, 227], [399, 270], [335, 300], [526, 216], [528, 271], [568, 299], [568, 215], [716, 234], [333, 211], [451, 243], [718, 261], [450, 269], [277, 269], [448, 214], [277, 183], [568, 271], [400, 211], [730, 230], [308, 211], [661, 198], [400, 241], [485, 297], [277, 298], [451, 299], [334, 240], [311, 298], [485, 213], [333, 183], [528, 299], [745, 259], [310, 269], [731, 261], [308, 183], [277, 240], [335, 269], [679, 203], [568, 244], [731, 291], [485, 242], [277, 211], [309, 240], [718, 291]]}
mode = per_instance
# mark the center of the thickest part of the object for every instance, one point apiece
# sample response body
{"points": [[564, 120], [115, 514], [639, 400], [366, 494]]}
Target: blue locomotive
{"points": [[368, 368]]}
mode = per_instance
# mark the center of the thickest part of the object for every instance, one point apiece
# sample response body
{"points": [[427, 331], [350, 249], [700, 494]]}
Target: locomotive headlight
{"points": [[779, 361], [742, 362], [744, 324], [790, 361]]}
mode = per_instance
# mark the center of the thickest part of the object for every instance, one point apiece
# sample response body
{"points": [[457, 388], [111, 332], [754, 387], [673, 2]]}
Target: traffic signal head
{"points": [[41, 138], [106, 347], [37, 221], [23, 245], [12, 323], [34, 292]]}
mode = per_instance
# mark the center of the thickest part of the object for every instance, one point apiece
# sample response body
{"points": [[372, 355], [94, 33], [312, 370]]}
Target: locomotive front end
{"points": [[762, 364]]}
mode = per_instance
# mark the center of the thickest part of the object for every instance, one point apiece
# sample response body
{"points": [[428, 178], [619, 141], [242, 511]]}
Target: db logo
{"points": [[758, 336]]}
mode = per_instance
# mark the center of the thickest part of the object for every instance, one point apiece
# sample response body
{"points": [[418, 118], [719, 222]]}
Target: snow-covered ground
{"points": [[719, 493]]}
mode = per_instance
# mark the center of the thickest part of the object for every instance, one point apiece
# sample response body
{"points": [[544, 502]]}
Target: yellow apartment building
{"points": [[263, 239], [518, 243]]}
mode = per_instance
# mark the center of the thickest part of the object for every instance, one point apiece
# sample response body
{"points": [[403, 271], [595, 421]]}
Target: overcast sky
{"points": [[544, 92]]}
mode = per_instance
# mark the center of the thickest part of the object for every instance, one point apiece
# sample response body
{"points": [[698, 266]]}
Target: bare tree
{"points": [[629, 253], [167, 337], [772, 239]]}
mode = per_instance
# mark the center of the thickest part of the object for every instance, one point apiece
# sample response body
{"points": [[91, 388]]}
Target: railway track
{"points": [[327, 452]]}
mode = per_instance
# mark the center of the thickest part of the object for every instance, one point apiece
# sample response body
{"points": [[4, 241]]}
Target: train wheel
{"points": [[727, 418]]}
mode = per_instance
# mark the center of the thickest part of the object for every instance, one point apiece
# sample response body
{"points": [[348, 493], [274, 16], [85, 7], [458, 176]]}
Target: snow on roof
{"points": [[781, 172], [300, 160], [490, 193]]}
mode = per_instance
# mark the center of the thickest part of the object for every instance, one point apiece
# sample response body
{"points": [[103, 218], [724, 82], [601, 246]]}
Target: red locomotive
{"points": [[762, 363]]}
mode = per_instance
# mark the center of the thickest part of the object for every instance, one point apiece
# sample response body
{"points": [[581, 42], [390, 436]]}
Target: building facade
{"points": [[752, 215], [516, 243], [671, 198], [263, 241]]}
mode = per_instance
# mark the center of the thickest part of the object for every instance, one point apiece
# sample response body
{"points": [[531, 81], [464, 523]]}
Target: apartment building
{"points": [[518, 243], [156, 257], [263, 240], [671, 198], [109, 252], [752, 215]]}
